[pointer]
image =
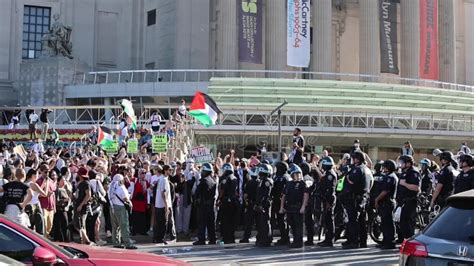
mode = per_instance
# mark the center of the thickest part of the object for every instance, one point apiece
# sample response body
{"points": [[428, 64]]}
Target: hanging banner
{"points": [[429, 39], [159, 143], [250, 14], [388, 37], [201, 155], [298, 33]]}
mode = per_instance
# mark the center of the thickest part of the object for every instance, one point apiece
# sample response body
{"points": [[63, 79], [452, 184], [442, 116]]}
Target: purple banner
{"points": [[250, 30]]}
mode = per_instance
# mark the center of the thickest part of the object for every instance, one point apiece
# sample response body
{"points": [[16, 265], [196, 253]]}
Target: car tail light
{"points": [[413, 248]]}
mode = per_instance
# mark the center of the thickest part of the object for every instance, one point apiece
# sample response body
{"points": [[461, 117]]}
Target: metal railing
{"points": [[204, 75]]}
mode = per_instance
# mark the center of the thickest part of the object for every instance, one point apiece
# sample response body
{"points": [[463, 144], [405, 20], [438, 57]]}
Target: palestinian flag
{"points": [[204, 109], [128, 109], [106, 136]]}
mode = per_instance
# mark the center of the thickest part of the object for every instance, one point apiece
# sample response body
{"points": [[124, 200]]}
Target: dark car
{"points": [[448, 240], [26, 246]]}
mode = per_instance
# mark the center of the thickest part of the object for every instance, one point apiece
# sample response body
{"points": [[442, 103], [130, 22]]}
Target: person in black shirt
{"points": [[385, 203], [17, 195], [280, 180], [327, 194], [357, 187], [82, 204], [205, 197], [445, 185], [465, 180], [262, 206], [44, 119], [409, 186], [228, 203], [309, 214], [426, 182], [250, 193], [297, 151], [294, 202]]}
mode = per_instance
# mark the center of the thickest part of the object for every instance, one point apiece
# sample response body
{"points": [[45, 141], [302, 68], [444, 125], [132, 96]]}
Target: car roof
{"points": [[466, 195]]}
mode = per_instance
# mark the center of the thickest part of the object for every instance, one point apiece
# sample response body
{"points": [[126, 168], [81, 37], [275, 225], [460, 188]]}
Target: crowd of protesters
{"points": [[66, 193]]}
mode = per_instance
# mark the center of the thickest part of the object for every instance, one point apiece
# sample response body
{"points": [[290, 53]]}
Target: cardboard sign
{"points": [[132, 146], [202, 154], [20, 151], [111, 147], [159, 143]]}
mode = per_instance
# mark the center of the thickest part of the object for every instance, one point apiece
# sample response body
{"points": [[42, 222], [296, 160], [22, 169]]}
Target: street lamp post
{"points": [[278, 110]]}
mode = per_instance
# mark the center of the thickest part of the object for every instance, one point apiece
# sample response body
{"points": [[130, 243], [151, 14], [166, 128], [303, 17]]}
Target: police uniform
{"points": [[250, 190], [328, 196], [407, 199], [426, 182], [229, 205], [446, 178], [279, 185], [389, 184], [262, 206], [294, 196], [308, 215], [464, 181], [205, 196], [356, 203]]}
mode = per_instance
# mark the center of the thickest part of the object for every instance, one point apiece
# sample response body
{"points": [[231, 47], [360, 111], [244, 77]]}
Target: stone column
{"points": [[410, 50], [108, 112], [227, 24], [321, 60], [369, 50], [373, 153], [447, 41], [275, 35], [469, 40]]}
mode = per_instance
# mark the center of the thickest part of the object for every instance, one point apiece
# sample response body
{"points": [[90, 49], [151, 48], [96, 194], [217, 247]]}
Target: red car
{"points": [[28, 247]]}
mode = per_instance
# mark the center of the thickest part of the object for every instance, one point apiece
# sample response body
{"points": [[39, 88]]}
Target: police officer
{"points": [[294, 202], [250, 194], [359, 181], [262, 206], [229, 203], [426, 182], [385, 203], [465, 180], [280, 179], [205, 197], [328, 196], [375, 189], [308, 216], [445, 186], [409, 186]]}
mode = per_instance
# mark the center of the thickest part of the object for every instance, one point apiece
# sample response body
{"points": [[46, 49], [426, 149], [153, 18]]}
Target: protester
{"points": [[81, 204]]}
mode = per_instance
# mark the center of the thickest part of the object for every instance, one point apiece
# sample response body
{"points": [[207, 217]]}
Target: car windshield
{"points": [[456, 223]]}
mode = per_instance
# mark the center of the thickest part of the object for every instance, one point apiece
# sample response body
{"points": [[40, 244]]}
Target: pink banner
{"points": [[429, 39]]}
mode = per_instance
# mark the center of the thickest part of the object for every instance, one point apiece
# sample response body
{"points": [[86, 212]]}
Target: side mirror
{"points": [[43, 256]]}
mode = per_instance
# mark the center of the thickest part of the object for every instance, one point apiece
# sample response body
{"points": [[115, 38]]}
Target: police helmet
{"points": [[346, 156], [390, 165], [253, 172], [265, 169], [295, 169], [305, 168], [378, 166], [281, 168], [358, 155], [426, 162], [436, 152], [406, 159], [466, 158], [446, 155], [207, 167], [227, 168]]}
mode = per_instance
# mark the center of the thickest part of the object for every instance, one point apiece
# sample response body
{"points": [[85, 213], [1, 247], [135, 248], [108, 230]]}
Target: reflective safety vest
{"points": [[340, 184]]}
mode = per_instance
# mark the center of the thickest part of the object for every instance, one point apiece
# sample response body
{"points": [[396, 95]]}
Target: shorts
{"points": [[80, 220], [32, 127], [155, 128]]}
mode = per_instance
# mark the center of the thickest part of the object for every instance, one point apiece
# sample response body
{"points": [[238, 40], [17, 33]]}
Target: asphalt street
{"points": [[248, 254]]}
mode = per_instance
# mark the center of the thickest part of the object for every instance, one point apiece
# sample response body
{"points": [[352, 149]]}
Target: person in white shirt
{"points": [[465, 149], [155, 121], [182, 110], [33, 119], [163, 206], [38, 147], [118, 196], [123, 132]]}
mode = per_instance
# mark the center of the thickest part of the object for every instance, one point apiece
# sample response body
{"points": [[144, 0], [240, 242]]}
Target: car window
{"points": [[15, 246], [455, 224]]}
